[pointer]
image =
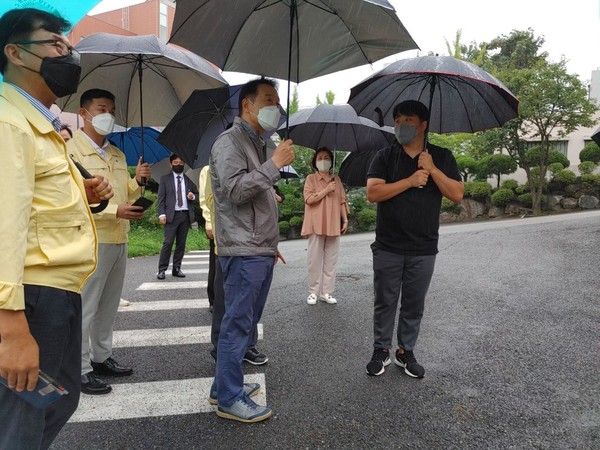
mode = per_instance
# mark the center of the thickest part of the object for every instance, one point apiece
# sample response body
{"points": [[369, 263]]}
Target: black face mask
{"points": [[178, 169], [61, 73]]}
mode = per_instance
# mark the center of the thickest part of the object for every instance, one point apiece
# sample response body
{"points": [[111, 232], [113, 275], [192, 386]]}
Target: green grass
{"points": [[148, 241]]}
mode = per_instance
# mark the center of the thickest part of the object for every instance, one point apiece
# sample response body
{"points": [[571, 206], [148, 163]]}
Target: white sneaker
{"points": [[312, 299], [327, 298], [124, 302]]}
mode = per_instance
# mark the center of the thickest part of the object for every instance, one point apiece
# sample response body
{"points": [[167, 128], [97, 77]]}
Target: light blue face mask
{"points": [[405, 133]]}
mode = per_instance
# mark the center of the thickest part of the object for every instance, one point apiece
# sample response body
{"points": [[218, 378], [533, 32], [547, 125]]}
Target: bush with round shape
{"points": [[587, 167], [502, 197], [509, 184], [565, 177], [478, 190], [554, 168], [591, 152]]}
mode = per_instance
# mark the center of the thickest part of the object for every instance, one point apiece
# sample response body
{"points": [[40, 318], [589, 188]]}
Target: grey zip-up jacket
{"points": [[246, 214]]}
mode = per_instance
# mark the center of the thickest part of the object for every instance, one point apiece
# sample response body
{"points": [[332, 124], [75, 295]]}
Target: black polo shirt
{"points": [[408, 223]]}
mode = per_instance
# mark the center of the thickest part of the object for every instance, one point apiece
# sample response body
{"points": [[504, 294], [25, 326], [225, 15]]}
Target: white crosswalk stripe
{"points": [[169, 397], [155, 399], [170, 285], [165, 336]]}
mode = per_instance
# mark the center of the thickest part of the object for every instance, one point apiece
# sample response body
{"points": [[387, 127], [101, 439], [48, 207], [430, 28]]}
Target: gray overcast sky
{"points": [[570, 28]]}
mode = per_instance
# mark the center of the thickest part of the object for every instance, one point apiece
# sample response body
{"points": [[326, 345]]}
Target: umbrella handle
{"points": [[85, 174]]}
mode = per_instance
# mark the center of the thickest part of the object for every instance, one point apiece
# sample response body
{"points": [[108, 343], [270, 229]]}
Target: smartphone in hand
{"points": [[46, 391], [143, 202]]}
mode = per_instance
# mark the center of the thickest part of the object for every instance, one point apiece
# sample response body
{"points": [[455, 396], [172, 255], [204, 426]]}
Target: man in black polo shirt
{"points": [[407, 183]]}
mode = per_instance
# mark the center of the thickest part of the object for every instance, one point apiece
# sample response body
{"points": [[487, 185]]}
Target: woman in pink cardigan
{"points": [[325, 219]]}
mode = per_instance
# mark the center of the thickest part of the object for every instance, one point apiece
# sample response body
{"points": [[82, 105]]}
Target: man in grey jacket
{"points": [[247, 233]]}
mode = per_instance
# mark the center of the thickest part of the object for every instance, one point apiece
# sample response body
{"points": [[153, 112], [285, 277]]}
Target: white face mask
{"points": [[103, 123], [323, 165], [268, 117]]}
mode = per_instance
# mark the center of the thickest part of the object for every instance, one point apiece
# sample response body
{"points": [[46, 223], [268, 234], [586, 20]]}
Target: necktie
{"points": [[179, 197]]}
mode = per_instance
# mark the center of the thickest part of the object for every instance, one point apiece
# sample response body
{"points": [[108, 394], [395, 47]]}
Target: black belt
{"points": [[182, 210]]}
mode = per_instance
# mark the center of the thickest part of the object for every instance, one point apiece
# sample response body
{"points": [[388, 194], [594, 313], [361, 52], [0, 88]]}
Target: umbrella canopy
{"points": [[130, 143], [354, 168], [149, 79], [461, 96], [290, 39], [204, 115], [596, 136], [337, 127]]}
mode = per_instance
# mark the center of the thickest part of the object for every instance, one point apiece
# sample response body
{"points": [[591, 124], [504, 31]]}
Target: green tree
{"points": [[329, 97], [294, 102], [496, 165], [552, 103]]}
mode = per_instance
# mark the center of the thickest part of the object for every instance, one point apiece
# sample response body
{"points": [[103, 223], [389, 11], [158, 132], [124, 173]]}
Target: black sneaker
{"points": [[380, 359], [254, 357], [408, 361]]}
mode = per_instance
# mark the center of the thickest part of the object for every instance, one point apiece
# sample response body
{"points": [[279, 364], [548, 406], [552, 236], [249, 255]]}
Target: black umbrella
{"points": [[354, 167], [149, 79], [337, 127], [596, 136], [290, 39], [204, 115], [461, 96]]}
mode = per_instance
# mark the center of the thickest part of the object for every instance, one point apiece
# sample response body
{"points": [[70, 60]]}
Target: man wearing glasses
{"points": [[48, 245]]}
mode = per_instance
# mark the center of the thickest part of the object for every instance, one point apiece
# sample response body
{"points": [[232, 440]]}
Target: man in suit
{"points": [[175, 212]]}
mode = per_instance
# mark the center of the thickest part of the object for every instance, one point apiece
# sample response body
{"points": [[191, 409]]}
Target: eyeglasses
{"points": [[62, 47]]}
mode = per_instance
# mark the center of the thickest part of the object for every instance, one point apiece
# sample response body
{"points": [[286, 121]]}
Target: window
{"points": [[163, 20], [559, 146]]}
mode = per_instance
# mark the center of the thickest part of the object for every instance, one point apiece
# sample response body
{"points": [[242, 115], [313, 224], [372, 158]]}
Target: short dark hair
{"points": [[18, 24], [67, 128], [91, 94], [250, 90], [174, 157], [314, 158], [411, 108]]}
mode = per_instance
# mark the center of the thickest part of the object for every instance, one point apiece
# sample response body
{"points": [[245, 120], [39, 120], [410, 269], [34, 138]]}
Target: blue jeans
{"points": [[246, 281], [54, 318]]}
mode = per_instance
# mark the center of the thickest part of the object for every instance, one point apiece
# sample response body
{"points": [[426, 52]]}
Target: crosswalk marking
{"points": [[170, 285], [192, 263], [197, 256], [165, 305], [165, 336], [155, 399]]}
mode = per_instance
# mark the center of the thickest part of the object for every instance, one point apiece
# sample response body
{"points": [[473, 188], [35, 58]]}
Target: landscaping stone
{"points": [[553, 202], [495, 211], [588, 202], [470, 209], [568, 203]]}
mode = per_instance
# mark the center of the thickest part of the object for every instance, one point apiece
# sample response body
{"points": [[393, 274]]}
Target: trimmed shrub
{"points": [[591, 152], [296, 222], [503, 197], [591, 179], [565, 177], [509, 184], [525, 199], [366, 218], [554, 168], [522, 188], [449, 206], [284, 227], [478, 190], [587, 167]]}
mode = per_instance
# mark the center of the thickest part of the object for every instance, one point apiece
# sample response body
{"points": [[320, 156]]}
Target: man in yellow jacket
{"points": [[48, 245], [102, 292]]}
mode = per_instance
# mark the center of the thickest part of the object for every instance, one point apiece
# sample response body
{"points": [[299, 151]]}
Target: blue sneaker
{"points": [[250, 389], [244, 410]]}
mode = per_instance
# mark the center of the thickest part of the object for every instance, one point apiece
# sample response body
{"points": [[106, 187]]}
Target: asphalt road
{"points": [[509, 342]]}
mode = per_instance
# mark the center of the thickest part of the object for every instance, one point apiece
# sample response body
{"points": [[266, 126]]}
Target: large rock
{"points": [[569, 203], [447, 217], [553, 202], [516, 209], [588, 202], [495, 211], [470, 209]]}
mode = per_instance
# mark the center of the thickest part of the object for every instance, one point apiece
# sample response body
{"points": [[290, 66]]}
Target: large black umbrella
{"points": [[205, 114], [337, 127], [461, 96], [596, 136], [149, 79], [354, 168], [290, 39]]}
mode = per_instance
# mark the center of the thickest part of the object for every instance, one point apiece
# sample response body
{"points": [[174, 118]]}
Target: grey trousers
{"points": [[399, 277], [100, 302]]}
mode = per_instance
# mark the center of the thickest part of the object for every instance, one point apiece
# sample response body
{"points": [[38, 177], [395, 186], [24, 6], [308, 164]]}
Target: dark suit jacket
{"points": [[167, 197]]}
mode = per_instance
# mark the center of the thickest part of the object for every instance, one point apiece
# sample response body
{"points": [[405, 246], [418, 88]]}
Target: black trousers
{"points": [[54, 318], [177, 232]]}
